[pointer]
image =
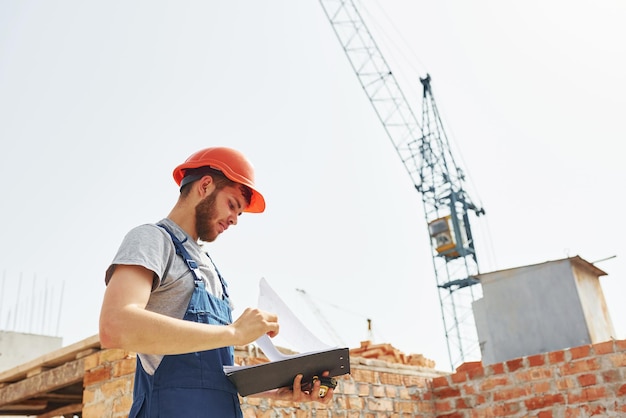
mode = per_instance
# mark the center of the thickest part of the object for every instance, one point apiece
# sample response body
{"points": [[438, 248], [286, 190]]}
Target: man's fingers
{"points": [[297, 384], [272, 323]]}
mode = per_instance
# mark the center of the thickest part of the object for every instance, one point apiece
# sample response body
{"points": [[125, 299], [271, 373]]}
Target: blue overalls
{"points": [[190, 385]]}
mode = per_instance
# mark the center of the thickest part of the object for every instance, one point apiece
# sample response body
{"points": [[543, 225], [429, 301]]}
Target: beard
{"points": [[205, 217]]}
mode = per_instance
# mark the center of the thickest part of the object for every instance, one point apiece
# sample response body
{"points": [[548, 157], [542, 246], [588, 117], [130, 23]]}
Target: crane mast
{"points": [[425, 152]]}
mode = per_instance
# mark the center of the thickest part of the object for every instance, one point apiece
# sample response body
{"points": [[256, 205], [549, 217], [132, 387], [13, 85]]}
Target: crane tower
{"points": [[425, 152]]}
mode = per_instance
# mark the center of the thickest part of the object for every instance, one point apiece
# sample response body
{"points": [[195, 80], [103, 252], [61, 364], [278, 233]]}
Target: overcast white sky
{"points": [[99, 101]]}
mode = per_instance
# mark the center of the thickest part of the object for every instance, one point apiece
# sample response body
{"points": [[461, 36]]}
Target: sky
{"points": [[99, 101]]}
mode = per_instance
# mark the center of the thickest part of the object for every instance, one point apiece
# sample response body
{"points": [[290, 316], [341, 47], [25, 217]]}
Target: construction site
{"points": [[535, 339]]}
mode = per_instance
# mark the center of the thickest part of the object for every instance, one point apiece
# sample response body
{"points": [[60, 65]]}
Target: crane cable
{"points": [[370, 330]]}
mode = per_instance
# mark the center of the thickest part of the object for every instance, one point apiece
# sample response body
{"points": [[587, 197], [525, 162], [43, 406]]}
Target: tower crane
{"points": [[425, 152]]}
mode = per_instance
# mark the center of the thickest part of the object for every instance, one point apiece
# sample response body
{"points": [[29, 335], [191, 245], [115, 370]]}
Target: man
{"points": [[166, 300]]}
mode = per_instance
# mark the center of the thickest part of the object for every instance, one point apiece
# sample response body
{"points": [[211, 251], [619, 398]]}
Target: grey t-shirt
{"points": [[151, 247]]}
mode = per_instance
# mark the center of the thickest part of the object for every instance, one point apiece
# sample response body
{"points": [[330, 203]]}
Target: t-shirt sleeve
{"points": [[147, 246]]}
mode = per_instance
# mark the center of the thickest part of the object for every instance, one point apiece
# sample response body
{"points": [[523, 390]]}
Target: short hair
{"points": [[220, 180]]}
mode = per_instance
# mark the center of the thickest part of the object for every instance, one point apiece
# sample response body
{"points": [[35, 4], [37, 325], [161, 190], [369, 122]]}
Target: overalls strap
{"points": [[193, 266]]}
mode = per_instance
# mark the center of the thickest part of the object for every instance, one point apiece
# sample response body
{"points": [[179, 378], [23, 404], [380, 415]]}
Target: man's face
{"points": [[216, 212]]}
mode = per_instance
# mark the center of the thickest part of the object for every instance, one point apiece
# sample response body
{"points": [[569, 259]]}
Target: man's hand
{"points": [[296, 394], [252, 324]]}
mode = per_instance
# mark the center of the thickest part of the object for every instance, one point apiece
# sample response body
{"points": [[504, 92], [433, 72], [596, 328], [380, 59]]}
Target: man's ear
{"points": [[206, 186]]}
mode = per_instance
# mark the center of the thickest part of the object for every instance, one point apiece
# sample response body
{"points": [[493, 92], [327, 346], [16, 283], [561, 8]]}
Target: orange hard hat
{"points": [[232, 163]]}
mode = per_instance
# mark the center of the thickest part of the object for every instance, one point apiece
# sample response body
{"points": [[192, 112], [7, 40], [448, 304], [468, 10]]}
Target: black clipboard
{"points": [[280, 373]]}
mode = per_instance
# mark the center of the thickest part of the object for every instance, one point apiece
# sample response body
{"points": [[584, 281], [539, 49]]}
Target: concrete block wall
{"points": [[578, 382]]}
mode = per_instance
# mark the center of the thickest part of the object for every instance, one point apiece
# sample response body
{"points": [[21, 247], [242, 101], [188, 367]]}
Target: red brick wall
{"points": [[579, 382], [573, 383], [374, 389]]}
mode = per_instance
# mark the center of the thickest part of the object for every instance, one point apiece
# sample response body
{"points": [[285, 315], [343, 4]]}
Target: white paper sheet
{"points": [[292, 330]]}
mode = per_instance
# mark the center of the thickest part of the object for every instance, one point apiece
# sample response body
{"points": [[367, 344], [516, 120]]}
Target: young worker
{"points": [[166, 300]]}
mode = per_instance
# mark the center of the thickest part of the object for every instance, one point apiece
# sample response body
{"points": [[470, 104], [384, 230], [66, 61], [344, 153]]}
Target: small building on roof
{"points": [[540, 308]]}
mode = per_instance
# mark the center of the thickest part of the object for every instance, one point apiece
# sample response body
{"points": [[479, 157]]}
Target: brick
{"points": [[378, 391], [443, 406], [476, 373], [404, 407], [390, 379], [458, 377], [113, 355], [403, 393], [469, 365], [380, 405], [604, 348], [536, 360], [348, 388], [440, 381], [580, 352], [425, 407], [492, 382], [354, 402], [92, 361], [509, 394], [513, 365], [541, 387], [416, 381], [537, 373], [364, 389], [565, 383], [618, 359], [366, 376], [497, 368], [505, 410], [98, 375], [447, 392], [544, 401], [556, 357], [586, 379], [124, 367], [391, 391], [580, 366], [463, 403]]}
